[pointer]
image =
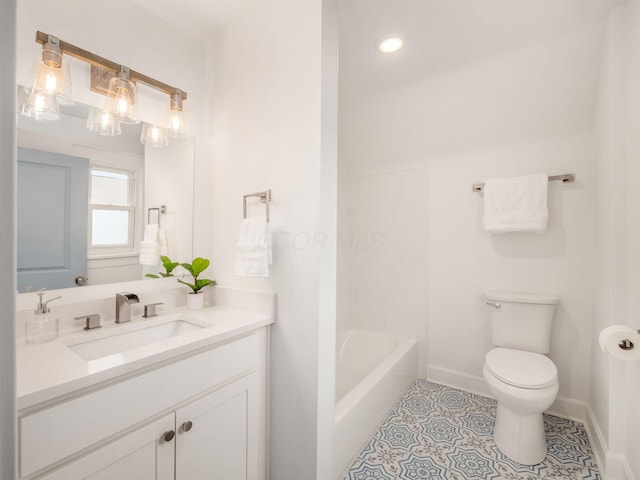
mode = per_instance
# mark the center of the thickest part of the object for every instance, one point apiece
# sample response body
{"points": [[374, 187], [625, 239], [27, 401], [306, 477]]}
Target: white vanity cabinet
{"points": [[202, 416]]}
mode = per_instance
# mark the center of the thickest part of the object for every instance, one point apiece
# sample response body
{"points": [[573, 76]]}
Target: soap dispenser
{"points": [[43, 326]]}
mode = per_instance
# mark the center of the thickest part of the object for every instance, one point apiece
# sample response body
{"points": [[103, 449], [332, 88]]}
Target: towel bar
{"points": [[160, 211], [265, 197], [566, 178]]}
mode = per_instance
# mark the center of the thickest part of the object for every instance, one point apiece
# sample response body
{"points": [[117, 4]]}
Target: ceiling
{"points": [[199, 18], [443, 34]]}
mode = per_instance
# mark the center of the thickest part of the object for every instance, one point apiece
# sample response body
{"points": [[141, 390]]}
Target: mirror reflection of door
{"points": [[52, 219]]}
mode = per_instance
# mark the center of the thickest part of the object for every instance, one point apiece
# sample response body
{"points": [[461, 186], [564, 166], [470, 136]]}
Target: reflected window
{"points": [[112, 208]]}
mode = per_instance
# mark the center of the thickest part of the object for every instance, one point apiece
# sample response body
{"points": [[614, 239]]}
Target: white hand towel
{"points": [[253, 253], [163, 248], [149, 248], [516, 204]]}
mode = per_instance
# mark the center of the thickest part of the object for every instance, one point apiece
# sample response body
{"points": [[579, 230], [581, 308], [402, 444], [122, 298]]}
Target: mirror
{"points": [[84, 200]]}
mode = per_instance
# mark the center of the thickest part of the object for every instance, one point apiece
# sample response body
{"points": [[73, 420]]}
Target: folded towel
{"points": [[162, 242], [253, 253], [149, 247], [516, 204]]}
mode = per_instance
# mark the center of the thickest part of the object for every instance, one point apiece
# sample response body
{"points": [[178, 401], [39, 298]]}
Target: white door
{"points": [[52, 219], [213, 435], [144, 454]]}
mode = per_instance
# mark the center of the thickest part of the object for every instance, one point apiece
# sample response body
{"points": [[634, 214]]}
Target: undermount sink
{"points": [[91, 349]]}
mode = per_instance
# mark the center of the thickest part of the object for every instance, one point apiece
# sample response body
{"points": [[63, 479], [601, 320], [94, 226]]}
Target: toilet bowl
{"points": [[524, 385]]}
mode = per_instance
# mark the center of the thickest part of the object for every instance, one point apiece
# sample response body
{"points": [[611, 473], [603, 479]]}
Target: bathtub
{"points": [[373, 371]]}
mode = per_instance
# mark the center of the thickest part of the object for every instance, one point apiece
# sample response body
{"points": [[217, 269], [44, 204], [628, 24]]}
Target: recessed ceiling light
{"points": [[389, 43]]}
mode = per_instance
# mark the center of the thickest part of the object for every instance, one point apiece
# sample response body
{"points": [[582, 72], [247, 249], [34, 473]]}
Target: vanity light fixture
{"points": [[104, 122], [121, 97], [51, 84], [390, 43], [176, 124], [154, 136]]}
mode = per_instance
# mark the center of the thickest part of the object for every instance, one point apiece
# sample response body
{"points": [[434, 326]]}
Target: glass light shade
{"points": [[38, 104], [121, 100], [176, 124], [104, 122], [52, 76], [154, 136]]}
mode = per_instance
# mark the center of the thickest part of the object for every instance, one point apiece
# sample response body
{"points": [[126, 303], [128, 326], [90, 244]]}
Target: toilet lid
{"points": [[521, 369]]}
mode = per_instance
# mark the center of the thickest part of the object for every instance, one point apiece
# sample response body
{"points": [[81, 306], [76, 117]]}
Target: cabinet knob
{"points": [[168, 436], [186, 426]]}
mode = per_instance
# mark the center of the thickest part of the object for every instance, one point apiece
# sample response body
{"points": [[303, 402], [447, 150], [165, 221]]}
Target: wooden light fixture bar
{"points": [[105, 63]]}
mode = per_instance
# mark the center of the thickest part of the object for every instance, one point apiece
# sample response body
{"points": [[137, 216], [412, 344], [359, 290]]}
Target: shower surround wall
{"points": [[412, 146]]}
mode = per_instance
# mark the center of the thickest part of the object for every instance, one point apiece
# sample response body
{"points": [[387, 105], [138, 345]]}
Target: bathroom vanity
{"points": [[189, 406]]}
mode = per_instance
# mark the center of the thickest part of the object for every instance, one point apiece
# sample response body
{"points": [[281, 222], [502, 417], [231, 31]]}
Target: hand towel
{"points": [[253, 253], [163, 248], [516, 204], [149, 248]]}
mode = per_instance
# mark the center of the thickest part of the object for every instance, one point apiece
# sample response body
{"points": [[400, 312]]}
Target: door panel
{"points": [[141, 455], [215, 447], [52, 205]]}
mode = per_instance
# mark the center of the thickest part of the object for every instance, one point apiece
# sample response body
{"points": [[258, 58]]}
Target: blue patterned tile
{"points": [[441, 431], [472, 465], [398, 436], [478, 423], [421, 469], [369, 472], [437, 432]]}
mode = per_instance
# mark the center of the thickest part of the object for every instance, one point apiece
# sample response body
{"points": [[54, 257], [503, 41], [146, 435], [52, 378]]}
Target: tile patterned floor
{"points": [[437, 432]]}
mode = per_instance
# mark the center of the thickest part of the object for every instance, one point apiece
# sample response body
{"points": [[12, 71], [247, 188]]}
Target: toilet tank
{"points": [[522, 321]]}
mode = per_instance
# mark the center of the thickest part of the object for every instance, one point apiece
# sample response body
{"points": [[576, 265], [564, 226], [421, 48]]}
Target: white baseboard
{"points": [[611, 465], [459, 380], [618, 468], [596, 439]]}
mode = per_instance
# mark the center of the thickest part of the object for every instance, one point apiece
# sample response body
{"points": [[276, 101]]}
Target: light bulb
{"points": [[50, 83]]}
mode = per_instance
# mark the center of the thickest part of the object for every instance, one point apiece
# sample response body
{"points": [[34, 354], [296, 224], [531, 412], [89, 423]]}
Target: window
{"points": [[112, 206]]}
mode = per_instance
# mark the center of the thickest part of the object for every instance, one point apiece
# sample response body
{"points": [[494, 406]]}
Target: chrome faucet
{"points": [[124, 300]]}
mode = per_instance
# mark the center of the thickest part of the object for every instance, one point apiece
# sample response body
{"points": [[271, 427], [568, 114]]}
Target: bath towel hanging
{"points": [[516, 204]]}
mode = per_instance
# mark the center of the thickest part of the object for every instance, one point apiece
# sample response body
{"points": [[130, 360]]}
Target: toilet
{"points": [[523, 380]]}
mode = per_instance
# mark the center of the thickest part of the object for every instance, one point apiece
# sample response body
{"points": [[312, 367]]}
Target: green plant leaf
{"points": [[191, 286], [168, 264], [188, 268], [199, 265], [203, 282], [151, 275]]}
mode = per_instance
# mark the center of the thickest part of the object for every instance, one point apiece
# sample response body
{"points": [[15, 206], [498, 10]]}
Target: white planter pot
{"points": [[195, 301]]}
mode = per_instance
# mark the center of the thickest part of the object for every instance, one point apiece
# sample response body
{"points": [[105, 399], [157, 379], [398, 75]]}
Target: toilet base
{"points": [[520, 437]]}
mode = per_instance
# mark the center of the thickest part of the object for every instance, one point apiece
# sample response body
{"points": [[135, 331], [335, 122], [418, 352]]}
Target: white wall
{"points": [[615, 386], [412, 151], [8, 436], [383, 245], [265, 132]]}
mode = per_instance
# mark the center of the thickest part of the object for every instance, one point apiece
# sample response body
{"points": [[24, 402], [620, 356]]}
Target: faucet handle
{"points": [[150, 309], [92, 321]]}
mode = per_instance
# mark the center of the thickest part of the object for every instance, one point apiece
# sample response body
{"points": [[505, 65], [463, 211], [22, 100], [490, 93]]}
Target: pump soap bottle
{"points": [[43, 326]]}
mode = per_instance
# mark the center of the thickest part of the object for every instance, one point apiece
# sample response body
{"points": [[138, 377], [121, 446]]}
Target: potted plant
{"points": [[195, 298], [168, 266]]}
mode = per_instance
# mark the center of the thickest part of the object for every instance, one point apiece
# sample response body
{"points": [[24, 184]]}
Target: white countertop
{"points": [[51, 370]]}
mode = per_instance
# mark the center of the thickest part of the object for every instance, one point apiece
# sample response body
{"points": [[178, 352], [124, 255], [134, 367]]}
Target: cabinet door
{"points": [[142, 455], [216, 444]]}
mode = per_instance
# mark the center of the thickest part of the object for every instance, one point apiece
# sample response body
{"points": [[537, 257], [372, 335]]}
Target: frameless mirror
{"points": [[85, 202]]}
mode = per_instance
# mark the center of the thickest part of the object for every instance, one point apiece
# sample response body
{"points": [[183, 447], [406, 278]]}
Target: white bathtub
{"points": [[373, 371]]}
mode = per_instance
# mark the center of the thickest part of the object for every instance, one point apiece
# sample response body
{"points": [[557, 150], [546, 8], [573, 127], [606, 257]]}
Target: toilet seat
{"points": [[521, 369]]}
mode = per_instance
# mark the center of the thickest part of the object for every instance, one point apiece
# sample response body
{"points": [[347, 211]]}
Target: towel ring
{"points": [[265, 197]]}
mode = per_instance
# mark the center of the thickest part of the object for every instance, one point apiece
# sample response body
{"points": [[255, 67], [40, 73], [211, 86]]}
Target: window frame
{"points": [[130, 208], [117, 161]]}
